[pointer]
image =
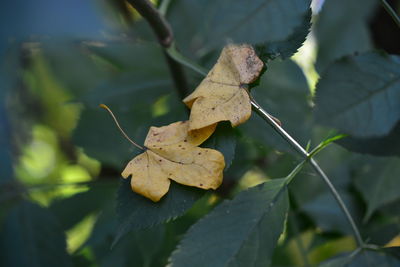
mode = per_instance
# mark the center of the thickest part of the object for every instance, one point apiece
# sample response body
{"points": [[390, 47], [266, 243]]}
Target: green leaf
{"points": [[360, 95], [283, 92], [31, 236], [342, 29], [388, 145], [137, 212], [88, 202], [378, 182], [223, 140], [215, 22], [287, 47], [361, 259], [239, 232]]}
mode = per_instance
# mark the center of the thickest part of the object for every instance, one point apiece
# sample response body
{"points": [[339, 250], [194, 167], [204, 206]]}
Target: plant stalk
{"points": [[157, 22], [163, 31], [268, 118], [391, 12]]}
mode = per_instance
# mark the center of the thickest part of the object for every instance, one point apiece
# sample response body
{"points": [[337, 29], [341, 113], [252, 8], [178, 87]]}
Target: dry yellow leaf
{"points": [[222, 95], [172, 153]]}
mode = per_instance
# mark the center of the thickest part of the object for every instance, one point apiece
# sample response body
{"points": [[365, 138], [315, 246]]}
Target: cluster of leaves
{"points": [[358, 94]]}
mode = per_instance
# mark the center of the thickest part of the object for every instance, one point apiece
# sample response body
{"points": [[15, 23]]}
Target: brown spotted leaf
{"points": [[172, 153], [222, 95]]}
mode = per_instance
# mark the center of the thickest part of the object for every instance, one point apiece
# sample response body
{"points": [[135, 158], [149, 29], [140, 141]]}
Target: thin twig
{"points": [[391, 12], [268, 118]]}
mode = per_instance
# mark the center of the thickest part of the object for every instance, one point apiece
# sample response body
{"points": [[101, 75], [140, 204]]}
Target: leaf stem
{"points": [[120, 128], [268, 118], [391, 12]]}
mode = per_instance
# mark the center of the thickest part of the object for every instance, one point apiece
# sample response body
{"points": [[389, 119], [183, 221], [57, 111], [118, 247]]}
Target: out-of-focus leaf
{"points": [[388, 145], [362, 259], [72, 210], [378, 182], [75, 67], [245, 230], [217, 22], [31, 236], [283, 92], [6, 170], [45, 18], [342, 29], [137, 212], [360, 95], [287, 47], [223, 140]]}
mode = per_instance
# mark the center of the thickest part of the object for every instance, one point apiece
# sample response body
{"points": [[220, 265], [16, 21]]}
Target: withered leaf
{"points": [[223, 95], [172, 153]]}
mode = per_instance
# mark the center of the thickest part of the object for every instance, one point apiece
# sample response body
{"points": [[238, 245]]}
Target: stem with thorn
{"points": [[162, 24]]}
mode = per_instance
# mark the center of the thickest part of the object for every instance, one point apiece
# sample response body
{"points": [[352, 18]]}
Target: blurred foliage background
{"points": [[61, 156]]}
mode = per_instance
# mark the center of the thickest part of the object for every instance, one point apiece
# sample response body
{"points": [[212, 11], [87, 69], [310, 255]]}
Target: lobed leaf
{"points": [[239, 232]]}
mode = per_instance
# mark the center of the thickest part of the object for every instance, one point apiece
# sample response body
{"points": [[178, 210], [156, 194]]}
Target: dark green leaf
{"points": [[216, 22], [223, 140], [284, 93], [240, 232], [388, 145], [360, 95], [364, 258], [342, 29], [31, 236], [136, 212], [378, 182], [287, 47]]}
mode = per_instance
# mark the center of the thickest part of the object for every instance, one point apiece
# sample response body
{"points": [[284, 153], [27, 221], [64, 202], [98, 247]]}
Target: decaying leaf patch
{"points": [[223, 95], [172, 153]]}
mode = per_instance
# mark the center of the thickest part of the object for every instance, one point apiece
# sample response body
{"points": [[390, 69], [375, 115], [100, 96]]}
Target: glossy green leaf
{"points": [[361, 259], [342, 29], [239, 232], [217, 22], [360, 95], [378, 182], [388, 145], [137, 212], [31, 236]]}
